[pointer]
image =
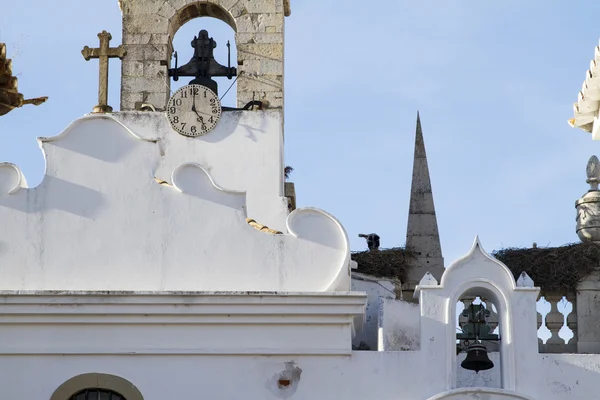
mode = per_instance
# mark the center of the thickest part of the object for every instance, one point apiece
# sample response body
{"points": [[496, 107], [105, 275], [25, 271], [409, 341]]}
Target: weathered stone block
{"points": [[157, 99], [262, 83], [132, 68], [145, 23], [159, 38], [257, 51], [271, 67], [129, 98], [237, 10], [154, 69], [270, 21], [261, 6], [259, 22], [177, 5], [269, 99], [259, 37], [144, 84], [136, 38], [251, 67], [227, 4]]}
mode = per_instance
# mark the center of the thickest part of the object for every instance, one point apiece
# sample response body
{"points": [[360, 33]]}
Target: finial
{"points": [[588, 206], [525, 280], [593, 172]]}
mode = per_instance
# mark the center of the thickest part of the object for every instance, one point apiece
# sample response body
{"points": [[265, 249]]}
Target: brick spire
{"points": [[422, 235]]}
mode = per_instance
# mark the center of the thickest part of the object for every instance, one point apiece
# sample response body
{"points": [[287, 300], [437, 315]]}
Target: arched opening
{"points": [[222, 33], [486, 331], [200, 9], [221, 26], [486, 316], [102, 386]]}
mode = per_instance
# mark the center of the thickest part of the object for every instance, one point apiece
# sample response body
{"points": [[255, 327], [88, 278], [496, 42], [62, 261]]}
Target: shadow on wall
{"points": [[104, 141], [57, 194]]}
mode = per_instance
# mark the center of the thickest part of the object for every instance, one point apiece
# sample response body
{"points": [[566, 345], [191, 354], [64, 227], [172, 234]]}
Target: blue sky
{"points": [[494, 83]]}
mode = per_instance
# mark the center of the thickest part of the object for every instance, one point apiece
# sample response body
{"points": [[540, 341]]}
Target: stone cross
{"points": [[103, 53]]}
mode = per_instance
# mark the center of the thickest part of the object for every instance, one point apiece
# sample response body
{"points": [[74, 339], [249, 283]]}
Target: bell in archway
{"points": [[477, 358]]}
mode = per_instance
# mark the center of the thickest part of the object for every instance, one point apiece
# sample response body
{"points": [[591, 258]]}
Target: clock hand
{"points": [[194, 108]]}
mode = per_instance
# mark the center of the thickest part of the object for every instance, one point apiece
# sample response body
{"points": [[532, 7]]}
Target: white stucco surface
{"points": [[126, 205], [243, 153], [133, 258], [364, 375], [230, 345], [375, 289], [399, 325]]}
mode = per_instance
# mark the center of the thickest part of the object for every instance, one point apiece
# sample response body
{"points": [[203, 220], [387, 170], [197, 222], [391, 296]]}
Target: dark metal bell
{"points": [[477, 358]]}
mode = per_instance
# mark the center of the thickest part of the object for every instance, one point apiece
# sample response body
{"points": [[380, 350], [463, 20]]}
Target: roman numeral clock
{"points": [[195, 109]]}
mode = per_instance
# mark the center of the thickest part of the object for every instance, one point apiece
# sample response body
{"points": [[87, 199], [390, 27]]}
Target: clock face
{"points": [[194, 110]]}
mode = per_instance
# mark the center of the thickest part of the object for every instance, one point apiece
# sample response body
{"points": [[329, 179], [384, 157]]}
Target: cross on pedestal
{"points": [[104, 52]]}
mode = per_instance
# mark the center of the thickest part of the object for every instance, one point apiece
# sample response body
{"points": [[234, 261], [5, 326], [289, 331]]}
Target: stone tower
{"points": [[422, 235], [150, 25]]}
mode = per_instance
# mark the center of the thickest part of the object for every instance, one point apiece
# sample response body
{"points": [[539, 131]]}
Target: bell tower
{"points": [[150, 25]]}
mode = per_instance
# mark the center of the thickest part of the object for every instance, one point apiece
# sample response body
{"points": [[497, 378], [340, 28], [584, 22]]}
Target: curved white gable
{"points": [[492, 269], [102, 220]]}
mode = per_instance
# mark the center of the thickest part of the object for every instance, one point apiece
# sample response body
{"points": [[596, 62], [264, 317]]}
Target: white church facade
{"points": [[160, 258]]}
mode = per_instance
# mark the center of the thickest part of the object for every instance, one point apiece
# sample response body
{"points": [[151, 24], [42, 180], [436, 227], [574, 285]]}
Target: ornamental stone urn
{"points": [[588, 206]]}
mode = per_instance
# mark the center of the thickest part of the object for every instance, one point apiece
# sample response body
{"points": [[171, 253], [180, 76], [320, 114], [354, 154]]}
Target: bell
{"points": [[477, 358]]}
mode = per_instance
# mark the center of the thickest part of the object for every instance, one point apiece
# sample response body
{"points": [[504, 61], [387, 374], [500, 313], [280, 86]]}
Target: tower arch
{"points": [[150, 25]]}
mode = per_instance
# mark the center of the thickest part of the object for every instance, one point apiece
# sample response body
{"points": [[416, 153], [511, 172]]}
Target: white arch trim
{"points": [[503, 304], [480, 394], [97, 381]]}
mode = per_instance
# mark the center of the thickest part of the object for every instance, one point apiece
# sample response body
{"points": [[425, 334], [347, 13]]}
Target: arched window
{"points": [[97, 394], [97, 386]]}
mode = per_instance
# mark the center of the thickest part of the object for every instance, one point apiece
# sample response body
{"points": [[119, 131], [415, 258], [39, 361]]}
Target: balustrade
{"points": [[556, 322], [560, 335]]}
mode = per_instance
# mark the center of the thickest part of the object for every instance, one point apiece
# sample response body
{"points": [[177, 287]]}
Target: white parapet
{"points": [[184, 323]]}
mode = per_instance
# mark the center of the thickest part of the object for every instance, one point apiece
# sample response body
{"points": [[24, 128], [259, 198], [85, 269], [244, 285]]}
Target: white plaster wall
{"points": [[243, 153], [399, 325], [375, 289], [364, 375], [139, 207]]}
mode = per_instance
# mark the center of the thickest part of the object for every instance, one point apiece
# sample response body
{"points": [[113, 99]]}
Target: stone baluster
{"points": [[540, 321], [554, 321], [572, 323]]}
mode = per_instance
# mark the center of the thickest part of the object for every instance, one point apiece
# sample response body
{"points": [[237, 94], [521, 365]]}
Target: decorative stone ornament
{"points": [[588, 206], [10, 98], [103, 53], [194, 110]]}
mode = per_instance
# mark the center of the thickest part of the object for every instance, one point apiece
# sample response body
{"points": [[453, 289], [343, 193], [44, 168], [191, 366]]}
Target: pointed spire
{"points": [[422, 235]]}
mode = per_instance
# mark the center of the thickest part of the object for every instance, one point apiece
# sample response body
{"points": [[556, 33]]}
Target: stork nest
{"points": [[553, 269], [384, 263]]}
